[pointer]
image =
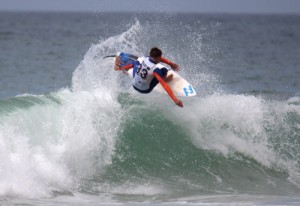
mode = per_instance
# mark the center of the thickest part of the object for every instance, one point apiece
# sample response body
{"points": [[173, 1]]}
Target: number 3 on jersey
{"points": [[143, 72]]}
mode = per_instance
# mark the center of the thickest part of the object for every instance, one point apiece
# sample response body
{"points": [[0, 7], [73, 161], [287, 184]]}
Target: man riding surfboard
{"points": [[146, 75]]}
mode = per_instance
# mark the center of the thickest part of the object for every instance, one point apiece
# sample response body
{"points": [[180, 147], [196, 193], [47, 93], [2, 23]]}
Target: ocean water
{"points": [[73, 131]]}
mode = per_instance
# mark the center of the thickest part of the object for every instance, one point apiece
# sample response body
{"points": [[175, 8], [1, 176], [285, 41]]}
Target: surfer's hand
{"points": [[179, 103], [175, 67], [117, 67]]}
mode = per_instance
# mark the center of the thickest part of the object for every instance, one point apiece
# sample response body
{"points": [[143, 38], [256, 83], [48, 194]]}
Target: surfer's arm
{"points": [[168, 89], [171, 64]]}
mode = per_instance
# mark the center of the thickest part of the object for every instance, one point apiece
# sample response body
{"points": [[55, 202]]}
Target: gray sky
{"points": [[227, 6]]}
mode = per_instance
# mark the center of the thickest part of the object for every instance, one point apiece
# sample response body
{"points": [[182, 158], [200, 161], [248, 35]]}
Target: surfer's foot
{"points": [[168, 78]]}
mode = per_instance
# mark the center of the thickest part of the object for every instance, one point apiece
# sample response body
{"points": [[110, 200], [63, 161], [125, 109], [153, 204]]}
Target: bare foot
{"points": [[169, 78]]}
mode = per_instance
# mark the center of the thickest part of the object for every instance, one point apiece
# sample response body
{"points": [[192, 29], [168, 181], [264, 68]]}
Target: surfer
{"points": [[147, 75]]}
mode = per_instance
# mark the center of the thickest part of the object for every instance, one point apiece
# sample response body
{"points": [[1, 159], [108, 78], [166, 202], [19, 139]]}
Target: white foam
{"points": [[51, 147], [90, 129], [27, 166], [94, 72], [229, 123]]}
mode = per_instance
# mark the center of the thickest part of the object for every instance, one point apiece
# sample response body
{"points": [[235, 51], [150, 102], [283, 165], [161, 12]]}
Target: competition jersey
{"points": [[143, 74]]}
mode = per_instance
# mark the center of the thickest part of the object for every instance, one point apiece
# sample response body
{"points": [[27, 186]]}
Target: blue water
{"points": [[74, 132]]}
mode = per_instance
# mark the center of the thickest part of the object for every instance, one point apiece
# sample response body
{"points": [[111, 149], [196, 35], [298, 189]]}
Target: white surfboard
{"points": [[179, 85]]}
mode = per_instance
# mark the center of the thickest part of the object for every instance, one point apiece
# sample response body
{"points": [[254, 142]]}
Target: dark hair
{"points": [[155, 52]]}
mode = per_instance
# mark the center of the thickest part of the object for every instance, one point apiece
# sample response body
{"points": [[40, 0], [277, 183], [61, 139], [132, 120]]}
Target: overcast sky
{"points": [[227, 6]]}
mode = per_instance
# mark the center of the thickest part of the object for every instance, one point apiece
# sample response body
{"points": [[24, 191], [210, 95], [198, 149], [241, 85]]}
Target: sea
{"points": [[74, 132]]}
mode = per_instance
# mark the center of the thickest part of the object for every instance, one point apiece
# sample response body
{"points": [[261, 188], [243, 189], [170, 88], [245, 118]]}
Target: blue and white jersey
{"points": [[143, 73]]}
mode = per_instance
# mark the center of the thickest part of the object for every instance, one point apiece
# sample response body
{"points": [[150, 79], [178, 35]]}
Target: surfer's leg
{"points": [[142, 91], [168, 78], [164, 72], [153, 84], [117, 63]]}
